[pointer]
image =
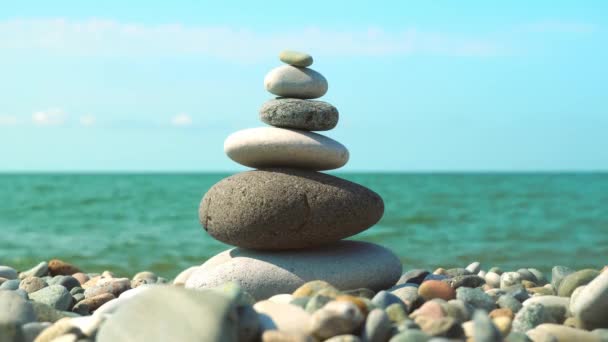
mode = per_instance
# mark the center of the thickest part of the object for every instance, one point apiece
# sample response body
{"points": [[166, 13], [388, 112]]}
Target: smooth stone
{"points": [[558, 273], [59, 329], [436, 289], [81, 277], [476, 298], [529, 317], [115, 286], [59, 267], [503, 324], [344, 338], [32, 284], [182, 278], [435, 277], [416, 276], [501, 312], [11, 285], [591, 304], [295, 58], [383, 299], [307, 115], [484, 329], [518, 292], [335, 318], [296, 82], [14, 309], [555, 306], [314, 287], [316, 302], [459, 310], [8, 273], [281, 336], [396, 313], [408, 295], [509, 279], [574, 280], [147, 275], [515, 336], [474, 267], [431, 309], [527, 275], [410, 336], [68, 282], [560, 333], [55, 296], [268, 147], [377, 327], [283, 298], [89, 305], [285, 317], [45, 313], [172, 314], [362, 292], [493, 279], [345, 265], [465, 281], [39, 270], [444, 327], [540, 276], [33, 329], [287, 209], [454, 272]]}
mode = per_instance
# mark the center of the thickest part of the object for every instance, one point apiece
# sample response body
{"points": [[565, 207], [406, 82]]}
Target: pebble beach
{"points": [[292, 274]]}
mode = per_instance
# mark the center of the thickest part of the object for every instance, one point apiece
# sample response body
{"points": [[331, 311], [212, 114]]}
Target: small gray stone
{"points": [[8, 272], [541, 280], [10, 285], [558, 273], [377, 327], [14, 309], [300, 83], [32, 284], [509, 279], [454, 272], [408, 295], [307, 115], [470, 280], [295, 58], [459, 310], [56, 296], [39, 270], [529, 317], [411, 336], [383, 299], [33, 329], [68, 282], [527, 275], [413, 276], [509, 302], [476, 298]]}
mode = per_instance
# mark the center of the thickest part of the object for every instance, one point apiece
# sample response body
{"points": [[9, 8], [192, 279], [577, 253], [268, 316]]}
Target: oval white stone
{"points": [[291, 81], [265, 147], [345, 264]]}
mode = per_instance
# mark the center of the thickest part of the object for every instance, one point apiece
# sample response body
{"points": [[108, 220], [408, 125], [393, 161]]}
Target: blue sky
{"points": [[420, 85]]}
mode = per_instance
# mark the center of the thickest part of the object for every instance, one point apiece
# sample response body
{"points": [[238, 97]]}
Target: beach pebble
{"points": [[503, 324], [555, 306], [55, 296], [281, 336], [459, 310], [396, 313], [361, 303], [509, 279], [308, 115], [285, 317], [541, 280], [470, 280], [296, 82], [377, 327], [316, 302], [574, 280], [476, 298], [266, 273], [436, 289], [314, 287], [176, 314], [529, 317], [484, 329], [11, 284], [410, 336], [32, 284], [60, 328], [7, 272], [431, 309], [267, 147], [444, 327], [383, 299], [59, 267], [416, 276], [33, 329], [115, 286], [474, 267], [282, 298], [344, 338], [493, 279], [501, 312], [39, 270], [68, 282], [408, 295], [14, 310], [287, 209], [591, 304], [182, 278], [295, 58], [335, 318], [81, 277], [560, 333], [89, 305], [558, 273]]}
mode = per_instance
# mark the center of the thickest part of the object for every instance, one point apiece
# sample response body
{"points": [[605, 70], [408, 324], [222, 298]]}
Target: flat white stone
{"points": [[345, 264], [295, 82], [591, 304], [266, 147]]}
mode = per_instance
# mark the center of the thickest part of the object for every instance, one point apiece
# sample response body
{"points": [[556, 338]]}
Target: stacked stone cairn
{"points": [[286, 218]]}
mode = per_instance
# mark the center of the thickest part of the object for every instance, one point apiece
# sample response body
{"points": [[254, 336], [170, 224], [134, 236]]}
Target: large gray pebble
{"points": [[377, 326], [558, 273], [7, 272], [308, 115], [55, 296], [476, 298], [591, 304], [529, 317]]}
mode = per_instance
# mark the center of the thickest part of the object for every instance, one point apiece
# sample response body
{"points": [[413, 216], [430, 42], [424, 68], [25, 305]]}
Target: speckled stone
{"points": [[335, 318], [287, 209], [32, 284], [574, 280], [529, 317], [345, 265], [308, 115], [295, 58], [476, 298], [296, 82]]}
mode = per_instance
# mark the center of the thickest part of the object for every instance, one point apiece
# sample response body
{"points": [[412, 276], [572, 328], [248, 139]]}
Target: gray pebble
{"points": [[377, 327], [476, 298]]}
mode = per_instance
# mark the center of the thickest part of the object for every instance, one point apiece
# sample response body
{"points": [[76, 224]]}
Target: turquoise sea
{"points": [[132, 222]]}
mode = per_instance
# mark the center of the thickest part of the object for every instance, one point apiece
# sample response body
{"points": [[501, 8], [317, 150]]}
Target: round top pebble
{"points": [[295, 58]]}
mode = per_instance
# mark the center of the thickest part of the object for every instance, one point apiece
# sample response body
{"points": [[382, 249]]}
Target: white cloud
{"points": [[181, 120], [87, 120], [113, 38], [51, 117], [8, 120]]}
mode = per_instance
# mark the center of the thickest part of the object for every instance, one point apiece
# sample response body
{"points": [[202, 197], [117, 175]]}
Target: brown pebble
{"points": [[32, 284], [440, 271], [431, 289], [91, 282], [81, 277], [357, 301], [503, 323], [430, 309], [503, 312], [94, 303], [528, 284], [59, 267], [311, 288]]}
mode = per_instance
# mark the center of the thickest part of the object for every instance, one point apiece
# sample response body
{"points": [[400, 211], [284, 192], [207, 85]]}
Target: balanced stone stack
{"points": [[286, 218]]}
